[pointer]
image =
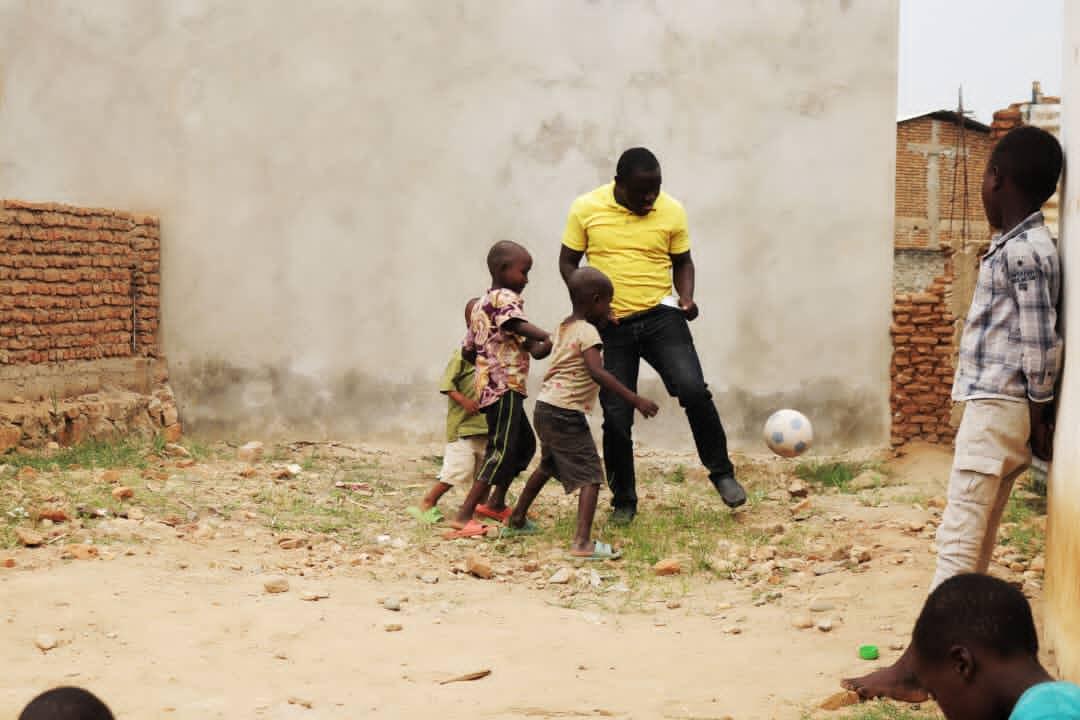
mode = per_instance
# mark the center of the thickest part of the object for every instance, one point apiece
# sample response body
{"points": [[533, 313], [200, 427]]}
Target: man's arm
{"points": [[682, 273], [569, 260]]}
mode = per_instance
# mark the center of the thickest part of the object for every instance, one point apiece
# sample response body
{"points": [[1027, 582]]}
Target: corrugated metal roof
{"points": [[948, 116]]}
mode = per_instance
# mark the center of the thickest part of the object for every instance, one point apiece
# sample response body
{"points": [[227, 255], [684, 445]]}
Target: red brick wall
{"points": [[77, 283]]}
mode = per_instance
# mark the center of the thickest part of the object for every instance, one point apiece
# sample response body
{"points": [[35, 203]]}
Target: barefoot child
{"points": [[1010, 353], [466, 431], [500, 338], [976, 652], [570, 388]]}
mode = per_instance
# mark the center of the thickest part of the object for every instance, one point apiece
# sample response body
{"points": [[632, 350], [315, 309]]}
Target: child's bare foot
{"points": [[457, 523], [426, 505], [895, 682], [585, 550]]}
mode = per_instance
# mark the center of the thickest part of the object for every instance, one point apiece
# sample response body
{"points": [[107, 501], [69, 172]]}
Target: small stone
{"points": [[531, 566], [45, 642], [1017, 567], [8, 563], [251, 452], [393, 627], [174, 450], [561, 577], [479, 566], [1038, 564], [733, 630], [29, 538], [819, 605], [281, 655], [824, 625], [897, 645], [46, 523], [840, 554], [314, 595], [916, 526], [276, 584], [798, 489], [844, 698], [724, 607], [79, 551], [293, 470], [673, 604], [671, 566], [183, 565], [123, 492], [860, 554], [26, 473], [110, 476], [825, 568], [392, 604], [801, 506], [291, 543], [937, 503], [429, 578], [301, 702], [802, 622]]}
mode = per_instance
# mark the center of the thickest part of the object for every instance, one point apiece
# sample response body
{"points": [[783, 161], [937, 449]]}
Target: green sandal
{"points": [[431, 516], [601, 551], [529, 528]]}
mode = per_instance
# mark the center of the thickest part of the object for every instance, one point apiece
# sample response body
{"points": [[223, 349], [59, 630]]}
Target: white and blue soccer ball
{"points": [[788, 433]]}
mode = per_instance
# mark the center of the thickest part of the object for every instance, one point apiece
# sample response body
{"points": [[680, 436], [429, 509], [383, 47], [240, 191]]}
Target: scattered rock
{"points": [[670, 566], [824, 625], [79, 551], [841, 553], [531, 566], [479, 566], [801, 506], [276, 584], [26, 473], [867, 480], [45, 642], [8, 563], [291, 543], [123, 492], [561, 577], [29, 538], [673, 604], [110, 476], [301, 702], [860, 554], [1038, 564], [798, 489], [56, 515], [174, 450], [393, 627], [251, 452], [733, 630], [916, 526], [802, 622], [819, 605], [897, 645], [844, 698], [314, 595], [937, 503], [293, 470], [429, 578], [281, 655], [392, 604], [825, 568]]}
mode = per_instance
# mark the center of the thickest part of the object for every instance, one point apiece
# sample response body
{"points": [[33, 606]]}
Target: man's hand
{"points": [[646, 407], [689, 307]]}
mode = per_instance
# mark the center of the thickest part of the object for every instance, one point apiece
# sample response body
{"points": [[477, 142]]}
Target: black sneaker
{"points": [[622, 516], [730, 490]]}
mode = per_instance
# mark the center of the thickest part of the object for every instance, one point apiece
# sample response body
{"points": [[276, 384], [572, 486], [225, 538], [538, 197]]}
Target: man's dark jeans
{"points": [[661, 337]]}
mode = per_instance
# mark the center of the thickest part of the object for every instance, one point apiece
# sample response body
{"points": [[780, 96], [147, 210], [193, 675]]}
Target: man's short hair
{"points": [[972, 610], [66, 703], [1031, 158], [635, 159]]}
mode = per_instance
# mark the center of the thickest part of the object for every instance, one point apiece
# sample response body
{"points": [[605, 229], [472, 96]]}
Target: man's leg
{"points": [[668, 346], [622, 360]]}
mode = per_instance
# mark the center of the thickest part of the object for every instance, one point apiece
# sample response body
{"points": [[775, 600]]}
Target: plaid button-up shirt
{"points": [[1010, 347]]}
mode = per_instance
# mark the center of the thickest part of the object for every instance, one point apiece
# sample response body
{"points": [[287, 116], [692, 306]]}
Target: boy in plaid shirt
{"points": [[1010, 354]]}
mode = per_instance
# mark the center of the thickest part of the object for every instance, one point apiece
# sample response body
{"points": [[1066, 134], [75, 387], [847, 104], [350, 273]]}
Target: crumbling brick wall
{"points": [[77, 283]]}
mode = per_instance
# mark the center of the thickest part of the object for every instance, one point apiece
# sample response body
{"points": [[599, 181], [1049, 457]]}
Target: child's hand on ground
{"points": [[646, 407]]}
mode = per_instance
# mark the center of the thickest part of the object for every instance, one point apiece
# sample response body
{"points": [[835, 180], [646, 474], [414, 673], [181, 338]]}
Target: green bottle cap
{"points": [[869, 652]]}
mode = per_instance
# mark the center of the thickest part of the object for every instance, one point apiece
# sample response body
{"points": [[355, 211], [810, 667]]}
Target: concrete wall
{"points": [[329, 176], [1062, 599]]}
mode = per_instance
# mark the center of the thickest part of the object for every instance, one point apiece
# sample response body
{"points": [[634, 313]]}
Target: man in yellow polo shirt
{"points": [[637, 236]]}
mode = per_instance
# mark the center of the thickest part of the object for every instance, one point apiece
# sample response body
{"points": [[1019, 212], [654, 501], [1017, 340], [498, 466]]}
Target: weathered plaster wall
{"points": [[330, 175], [1062, 599]]}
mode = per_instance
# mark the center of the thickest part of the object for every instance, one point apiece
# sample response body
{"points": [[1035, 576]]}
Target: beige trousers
{"points": [[991, 452]]}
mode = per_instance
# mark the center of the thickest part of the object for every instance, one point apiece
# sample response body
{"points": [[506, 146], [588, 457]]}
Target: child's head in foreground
{"points": [[591, 293], [509, 265], [1022, 172], [66, 703], [975, 647]]}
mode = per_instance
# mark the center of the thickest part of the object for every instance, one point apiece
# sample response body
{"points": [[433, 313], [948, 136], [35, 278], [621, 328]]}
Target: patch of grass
{"points": [[834, 474], [1019, 530], [884, 710], [678, 475], [91, 455]]}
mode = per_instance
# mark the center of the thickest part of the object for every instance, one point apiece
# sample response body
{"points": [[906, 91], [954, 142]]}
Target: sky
{"points": [[993, 48]]}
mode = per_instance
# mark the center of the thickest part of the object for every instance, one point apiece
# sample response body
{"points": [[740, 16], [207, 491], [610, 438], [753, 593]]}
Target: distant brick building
{"points": [[940, 229]]}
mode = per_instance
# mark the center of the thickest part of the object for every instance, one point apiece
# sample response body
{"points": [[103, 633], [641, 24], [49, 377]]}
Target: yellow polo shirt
{"points": [[634, 252]]}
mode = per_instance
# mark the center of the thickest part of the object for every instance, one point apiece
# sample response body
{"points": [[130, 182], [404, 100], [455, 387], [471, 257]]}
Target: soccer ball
{"points": [[788, 433]]}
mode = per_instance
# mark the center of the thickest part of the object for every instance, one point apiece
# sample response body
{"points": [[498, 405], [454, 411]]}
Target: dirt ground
{"points": [[164, 613]]}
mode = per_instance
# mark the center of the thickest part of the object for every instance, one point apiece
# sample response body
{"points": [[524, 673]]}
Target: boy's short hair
{"points": [[637, 158], [1032, 158], [502, 253], [972, 610], [586, 282], [66, 703]]}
